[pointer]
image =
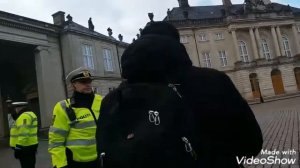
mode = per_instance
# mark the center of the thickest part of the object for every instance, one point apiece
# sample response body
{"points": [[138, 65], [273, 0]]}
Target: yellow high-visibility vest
{"points": [[79, 137], [24, 131]]}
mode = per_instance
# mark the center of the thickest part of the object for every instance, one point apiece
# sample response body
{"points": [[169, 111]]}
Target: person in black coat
{"points": [[223, 125]]}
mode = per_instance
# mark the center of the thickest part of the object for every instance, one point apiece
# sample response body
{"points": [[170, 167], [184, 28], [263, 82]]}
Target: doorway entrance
{"points": [[277, 81], [297, 76], [254, 85], [18, 80]]}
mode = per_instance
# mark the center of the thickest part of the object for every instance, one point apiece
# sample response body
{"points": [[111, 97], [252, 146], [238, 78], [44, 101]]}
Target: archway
{"points": [[18, 80], [277, 82], [297, 76]]}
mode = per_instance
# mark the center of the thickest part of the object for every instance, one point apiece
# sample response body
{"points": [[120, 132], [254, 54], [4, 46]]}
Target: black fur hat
{"points": [[161, 28]]}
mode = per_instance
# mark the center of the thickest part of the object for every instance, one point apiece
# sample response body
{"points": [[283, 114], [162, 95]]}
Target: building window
{"points": [[265, 49], [87, 53], [184, 39], [111, 89], [286, 46], [96, 90], [223, 58], [219, 36], [243, 51], [108, 61], [202, 37], [206, 60]]}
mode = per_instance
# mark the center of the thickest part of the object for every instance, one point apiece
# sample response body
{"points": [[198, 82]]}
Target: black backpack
{"points": [[144, 126]]}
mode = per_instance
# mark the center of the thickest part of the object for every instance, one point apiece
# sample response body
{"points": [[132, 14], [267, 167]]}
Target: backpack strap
{"points": [[69, 111]]}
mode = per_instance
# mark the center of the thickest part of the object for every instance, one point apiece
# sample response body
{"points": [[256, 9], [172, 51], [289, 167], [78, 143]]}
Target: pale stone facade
{"points": [[244, 40], [56, 49]]}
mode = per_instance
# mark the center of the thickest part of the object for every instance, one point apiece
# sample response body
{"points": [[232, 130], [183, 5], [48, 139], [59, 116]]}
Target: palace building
{"points": [[257, 44]]}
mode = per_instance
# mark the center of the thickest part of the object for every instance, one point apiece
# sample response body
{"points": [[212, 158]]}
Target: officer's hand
{"points": [[17, 153], [61, 167]]}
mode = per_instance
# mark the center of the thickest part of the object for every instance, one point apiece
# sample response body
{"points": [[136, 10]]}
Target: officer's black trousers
{"points": [[73, 164], [27, 160]]}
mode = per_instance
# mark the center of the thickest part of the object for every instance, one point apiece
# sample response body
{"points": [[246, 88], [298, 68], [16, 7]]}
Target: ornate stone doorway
{"points": [[277, 82], [255, 85], [297, 76]]}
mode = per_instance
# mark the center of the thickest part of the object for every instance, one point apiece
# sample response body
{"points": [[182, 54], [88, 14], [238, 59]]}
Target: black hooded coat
{"points": [[224, 127]]}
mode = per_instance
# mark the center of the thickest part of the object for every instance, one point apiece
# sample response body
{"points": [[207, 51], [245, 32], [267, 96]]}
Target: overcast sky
{"points": [[123, 16]]}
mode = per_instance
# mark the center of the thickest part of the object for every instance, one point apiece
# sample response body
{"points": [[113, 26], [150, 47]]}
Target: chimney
{"points": [[183, 3], [59, 18], [186, 14], [227, 5]]}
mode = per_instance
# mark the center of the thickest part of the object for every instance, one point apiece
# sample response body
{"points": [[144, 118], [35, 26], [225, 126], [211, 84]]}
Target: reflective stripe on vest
{"points": [[80, 142], [56, 144], [61, 132], [83, 125], [26, 126], [25, 135], [76, 124]]}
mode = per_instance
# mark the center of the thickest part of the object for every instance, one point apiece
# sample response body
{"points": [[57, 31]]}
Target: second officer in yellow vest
{"points": [[72, 142], [23, 134]]}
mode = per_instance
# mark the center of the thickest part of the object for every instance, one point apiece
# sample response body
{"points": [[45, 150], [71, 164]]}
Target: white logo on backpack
{"points": [[154, 117]]}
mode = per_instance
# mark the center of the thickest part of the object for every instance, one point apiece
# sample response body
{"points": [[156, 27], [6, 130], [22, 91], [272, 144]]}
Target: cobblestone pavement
{"points": [[280, 124], [279, 121], [7, 159]]}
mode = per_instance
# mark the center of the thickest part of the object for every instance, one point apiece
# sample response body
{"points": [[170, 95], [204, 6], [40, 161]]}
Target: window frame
{"points": [[202, 37], [219, 36], [184, 39], [108, 60], [266, 49], [206, 59], [243, 51], [88, 58], [223, 58], [286, 46]]}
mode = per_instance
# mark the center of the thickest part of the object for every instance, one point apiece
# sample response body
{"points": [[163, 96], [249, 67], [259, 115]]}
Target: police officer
{"points": [[23, 134], [72, 141]]}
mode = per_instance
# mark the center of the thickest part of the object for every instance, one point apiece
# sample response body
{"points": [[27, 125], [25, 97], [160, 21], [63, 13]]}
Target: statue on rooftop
{"points": [[109, 30], [70, 18], [120, 37], [151, 15], [91, 25]]}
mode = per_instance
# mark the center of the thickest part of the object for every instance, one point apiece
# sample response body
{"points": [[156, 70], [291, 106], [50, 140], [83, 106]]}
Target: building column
{"points": [[253, 43], [275, 40], [3, 117], [235, 43], [258, 42], [49, 80], [279, 37], [295, 33]]}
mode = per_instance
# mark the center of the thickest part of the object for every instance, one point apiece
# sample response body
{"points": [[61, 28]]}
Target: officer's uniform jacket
{"points": [[78, 136], [23, 132]]}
